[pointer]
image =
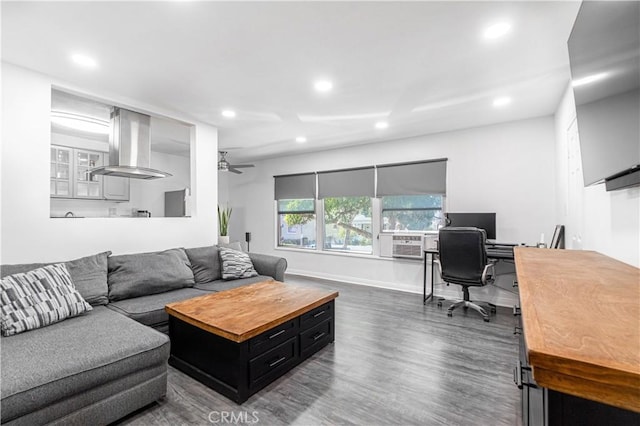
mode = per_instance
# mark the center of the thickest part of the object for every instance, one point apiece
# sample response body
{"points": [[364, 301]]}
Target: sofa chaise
{"points": [[98, 367]]}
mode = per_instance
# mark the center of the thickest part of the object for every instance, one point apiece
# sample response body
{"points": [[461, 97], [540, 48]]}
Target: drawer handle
{"points": [[517, 375], [277, 334], [318, 335], [319, 313], [278, 361]]}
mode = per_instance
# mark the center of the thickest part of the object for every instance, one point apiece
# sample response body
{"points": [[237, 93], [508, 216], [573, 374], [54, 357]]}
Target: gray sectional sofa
{"points": [[102, 365]]}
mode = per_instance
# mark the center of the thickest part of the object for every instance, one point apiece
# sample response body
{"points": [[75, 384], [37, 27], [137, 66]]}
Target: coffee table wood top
{"points": [[244, 312]]}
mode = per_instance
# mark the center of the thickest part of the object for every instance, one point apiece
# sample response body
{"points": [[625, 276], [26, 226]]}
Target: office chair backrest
{"points": [[463, 256]]}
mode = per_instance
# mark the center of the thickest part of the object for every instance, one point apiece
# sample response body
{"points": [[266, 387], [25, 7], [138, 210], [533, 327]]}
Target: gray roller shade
{"points": [[292, 187], [425, 177], [347, 183]]}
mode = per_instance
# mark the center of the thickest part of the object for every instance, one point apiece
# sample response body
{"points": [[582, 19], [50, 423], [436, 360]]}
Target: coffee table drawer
{"points": [[316, 337], [316, 316], [273, 337], [272, 363]]}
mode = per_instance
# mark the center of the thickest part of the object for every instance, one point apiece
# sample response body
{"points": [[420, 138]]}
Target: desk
{"points": [[499, 252], [581, 321], [495, 251], [433, 253]]}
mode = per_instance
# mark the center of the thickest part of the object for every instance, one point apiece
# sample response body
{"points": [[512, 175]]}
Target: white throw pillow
{"points": [[236, 264]]}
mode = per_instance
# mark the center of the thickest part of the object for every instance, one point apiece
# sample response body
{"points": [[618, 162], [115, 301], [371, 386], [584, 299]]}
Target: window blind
{"points": [[292, 187], [347, 183], [424, 177]]}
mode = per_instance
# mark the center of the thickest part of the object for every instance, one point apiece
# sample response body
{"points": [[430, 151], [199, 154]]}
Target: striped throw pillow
{"points": [[38, 298], [236, 264]]}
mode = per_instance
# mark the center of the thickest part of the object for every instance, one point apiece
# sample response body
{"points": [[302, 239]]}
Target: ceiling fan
{"points": [[224, 166]]}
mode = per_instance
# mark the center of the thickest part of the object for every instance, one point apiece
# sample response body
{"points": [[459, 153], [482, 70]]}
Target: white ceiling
{"points": [[422, 66]]}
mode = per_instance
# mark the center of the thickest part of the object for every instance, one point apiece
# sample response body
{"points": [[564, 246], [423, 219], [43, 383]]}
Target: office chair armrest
{"points": [[486, 277]]}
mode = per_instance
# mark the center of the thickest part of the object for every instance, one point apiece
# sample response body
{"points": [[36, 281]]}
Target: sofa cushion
{"points": [[135, 275], [38, 298], [205, 263], [235, 245], [74, 356], [149, 310], [221, 285], [89, 276], [236, 264]]}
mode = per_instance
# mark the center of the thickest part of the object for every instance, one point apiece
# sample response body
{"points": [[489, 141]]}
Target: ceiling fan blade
{"points": [[241, 166], [232, 170]]}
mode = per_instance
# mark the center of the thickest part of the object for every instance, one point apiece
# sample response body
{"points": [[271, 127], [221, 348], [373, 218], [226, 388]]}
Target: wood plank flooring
{"points": [[394, 362]]}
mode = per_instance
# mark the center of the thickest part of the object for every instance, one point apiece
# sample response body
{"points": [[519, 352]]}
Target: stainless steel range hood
{"points": [[129, 147]]}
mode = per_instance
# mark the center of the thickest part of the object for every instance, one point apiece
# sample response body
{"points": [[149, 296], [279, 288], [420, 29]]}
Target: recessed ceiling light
{"points": [[496, 30], [323, 85], [502, 101], [228, 113], [301, 139], [589, 79], [84, 60], [381, 125]]}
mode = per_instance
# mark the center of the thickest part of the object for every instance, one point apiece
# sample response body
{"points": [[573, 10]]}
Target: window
{"points": [[412, 212], [297, 223], [347, 224], [355, 204]]}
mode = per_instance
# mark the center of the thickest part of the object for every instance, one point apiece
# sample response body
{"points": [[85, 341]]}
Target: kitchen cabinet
{"points": [[60, 174], [70, 177], [85, 185]]}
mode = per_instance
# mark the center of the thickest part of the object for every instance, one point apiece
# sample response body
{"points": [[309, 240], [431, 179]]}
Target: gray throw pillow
{"points": [[88, 274], [205, 263], [236, 264], [38, 298], [135, 275]]}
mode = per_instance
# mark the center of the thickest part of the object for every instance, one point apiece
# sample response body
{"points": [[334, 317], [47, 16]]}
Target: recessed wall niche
{"points": [[81, 131]]}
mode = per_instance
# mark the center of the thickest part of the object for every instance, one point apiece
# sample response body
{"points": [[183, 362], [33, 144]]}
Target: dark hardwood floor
{"points": [[394, 362]]}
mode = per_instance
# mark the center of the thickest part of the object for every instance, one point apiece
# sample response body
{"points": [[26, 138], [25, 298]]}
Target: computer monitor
{"points": [[486, 221]]}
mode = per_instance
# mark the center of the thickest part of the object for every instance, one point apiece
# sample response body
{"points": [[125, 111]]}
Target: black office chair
{"points": [[463, 261]]}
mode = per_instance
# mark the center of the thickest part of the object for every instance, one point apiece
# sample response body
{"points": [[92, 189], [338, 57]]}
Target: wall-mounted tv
{"points": [[604, 52]]}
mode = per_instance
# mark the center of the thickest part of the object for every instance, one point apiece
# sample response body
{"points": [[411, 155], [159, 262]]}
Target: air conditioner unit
{"points": [[408, 245]]}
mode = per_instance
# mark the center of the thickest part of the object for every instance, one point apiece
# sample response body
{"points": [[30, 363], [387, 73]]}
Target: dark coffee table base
{"points": [[238, 370]]}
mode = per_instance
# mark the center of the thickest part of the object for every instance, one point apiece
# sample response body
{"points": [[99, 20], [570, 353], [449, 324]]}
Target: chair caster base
{"points": [[449, 314], [486, 319]]}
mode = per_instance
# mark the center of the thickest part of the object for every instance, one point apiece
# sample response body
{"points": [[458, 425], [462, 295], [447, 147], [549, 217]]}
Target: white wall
{"points": [[508, 169], [607, 222], [29, 235]]}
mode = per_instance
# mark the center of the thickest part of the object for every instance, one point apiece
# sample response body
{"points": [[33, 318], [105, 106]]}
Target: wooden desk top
{"points": [[581, 318], [244, 312]]}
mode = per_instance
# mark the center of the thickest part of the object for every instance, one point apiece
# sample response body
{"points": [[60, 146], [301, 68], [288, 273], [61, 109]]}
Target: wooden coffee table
{"points": [[238, 341]]}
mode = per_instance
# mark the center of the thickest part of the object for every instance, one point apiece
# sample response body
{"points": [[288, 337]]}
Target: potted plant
{"points": [[223, 224]]}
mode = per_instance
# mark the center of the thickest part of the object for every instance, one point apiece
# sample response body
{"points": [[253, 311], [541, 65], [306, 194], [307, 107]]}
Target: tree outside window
{"points": [[412, 212], [347, 224], [297, 223]]}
